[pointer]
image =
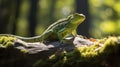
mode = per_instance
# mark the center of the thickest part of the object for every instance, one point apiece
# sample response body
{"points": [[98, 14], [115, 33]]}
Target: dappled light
{"points": [[105, 17]]}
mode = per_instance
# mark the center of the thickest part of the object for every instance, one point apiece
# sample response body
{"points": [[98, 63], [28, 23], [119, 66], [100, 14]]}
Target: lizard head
{"points": [[77, 18]]}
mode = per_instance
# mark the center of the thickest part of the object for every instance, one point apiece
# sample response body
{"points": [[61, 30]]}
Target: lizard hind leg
{"points": [[48, 36], [62, 34], [61, 41]]}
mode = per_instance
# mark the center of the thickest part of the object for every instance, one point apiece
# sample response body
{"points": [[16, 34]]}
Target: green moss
{"points": [[111, 45], [24, 51], [6, 41], [87, 56]]}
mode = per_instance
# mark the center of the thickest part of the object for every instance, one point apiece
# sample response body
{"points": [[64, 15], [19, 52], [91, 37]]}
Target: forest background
{"points": [[32, 17]]}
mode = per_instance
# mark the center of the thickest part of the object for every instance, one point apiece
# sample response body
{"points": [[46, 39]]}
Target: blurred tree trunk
{"points": [[9, 12], [82, 7], [17, 11], [33, 17], [5, 12]]}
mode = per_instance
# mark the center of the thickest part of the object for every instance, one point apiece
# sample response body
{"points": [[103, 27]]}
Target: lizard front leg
{"points": [[74, 33]]}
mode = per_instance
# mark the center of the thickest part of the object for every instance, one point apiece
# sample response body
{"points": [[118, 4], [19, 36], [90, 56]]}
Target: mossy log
{"points": [[79, 52]]}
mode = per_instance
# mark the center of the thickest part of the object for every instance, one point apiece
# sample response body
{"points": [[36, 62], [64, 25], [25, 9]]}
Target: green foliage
{"points": [[22, 21], [105, 15]]}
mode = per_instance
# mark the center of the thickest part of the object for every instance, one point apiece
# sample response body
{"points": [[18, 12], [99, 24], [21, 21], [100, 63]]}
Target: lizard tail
{"points": [[26, 39], [30, 39]]}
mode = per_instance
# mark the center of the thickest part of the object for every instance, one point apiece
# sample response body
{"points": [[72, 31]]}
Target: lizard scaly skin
{"points": [[58, 30]]}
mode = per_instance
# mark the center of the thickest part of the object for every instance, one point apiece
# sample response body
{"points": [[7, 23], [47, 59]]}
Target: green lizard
{"points": [[58, 30]]}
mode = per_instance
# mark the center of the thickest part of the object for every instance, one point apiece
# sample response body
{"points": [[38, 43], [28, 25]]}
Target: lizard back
{"points": [[59, 22]]}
